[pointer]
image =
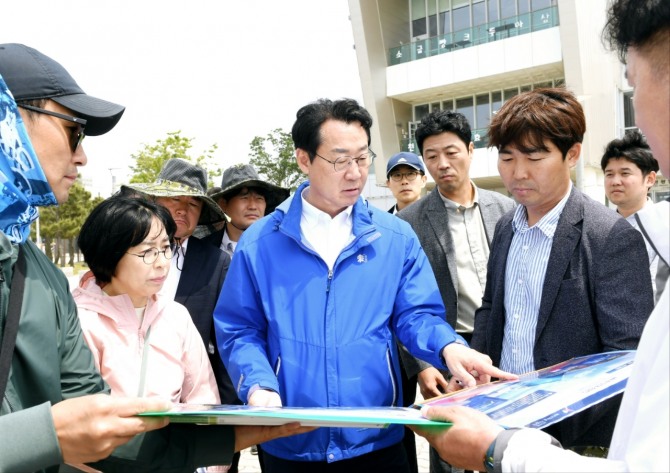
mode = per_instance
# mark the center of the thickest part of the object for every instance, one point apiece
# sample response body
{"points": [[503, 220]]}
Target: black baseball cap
{"points": [[30, 75]]}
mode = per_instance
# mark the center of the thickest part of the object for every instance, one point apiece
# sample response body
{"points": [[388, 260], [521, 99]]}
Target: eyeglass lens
{"points": [[398, 176], [151, 255], [344, 162]]}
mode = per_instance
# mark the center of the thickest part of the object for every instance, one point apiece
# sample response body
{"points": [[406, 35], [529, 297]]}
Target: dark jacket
{"points": [[430, 221], [596, 297], [202, 277]]}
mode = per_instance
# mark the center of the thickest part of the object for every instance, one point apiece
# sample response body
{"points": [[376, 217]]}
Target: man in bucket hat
{"points": [[198, 269], [245, 198]]}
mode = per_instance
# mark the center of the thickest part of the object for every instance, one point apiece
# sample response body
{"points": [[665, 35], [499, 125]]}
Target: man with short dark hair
{"points": [[560, 262], [455, 224], [316, 293], [630, 171], [640, 32]]}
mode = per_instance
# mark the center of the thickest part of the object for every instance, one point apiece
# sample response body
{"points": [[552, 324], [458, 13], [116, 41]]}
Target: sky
{"points": [[218, 71]]}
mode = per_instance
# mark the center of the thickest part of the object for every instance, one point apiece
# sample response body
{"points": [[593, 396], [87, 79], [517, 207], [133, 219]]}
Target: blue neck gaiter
{"points": [[23, 186]]}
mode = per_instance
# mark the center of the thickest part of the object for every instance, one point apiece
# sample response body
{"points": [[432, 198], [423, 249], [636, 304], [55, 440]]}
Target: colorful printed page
{"points": [[541, 398]]}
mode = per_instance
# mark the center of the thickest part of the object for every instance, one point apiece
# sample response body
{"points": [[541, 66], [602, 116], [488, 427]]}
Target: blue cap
{"points": [[405, 159]]}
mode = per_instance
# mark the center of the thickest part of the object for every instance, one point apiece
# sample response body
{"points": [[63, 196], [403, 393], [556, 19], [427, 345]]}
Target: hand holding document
{"points": [[537, 399]]}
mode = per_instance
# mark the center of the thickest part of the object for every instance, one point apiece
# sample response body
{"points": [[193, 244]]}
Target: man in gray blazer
{"points": [[455, 224], [567, 276]]}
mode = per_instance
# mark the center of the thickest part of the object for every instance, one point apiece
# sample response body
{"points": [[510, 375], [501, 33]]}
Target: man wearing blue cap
{"points": [[405, 176]]}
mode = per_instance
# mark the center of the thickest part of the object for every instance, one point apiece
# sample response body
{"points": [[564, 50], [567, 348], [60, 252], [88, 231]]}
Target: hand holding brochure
{"points": [[537, 399], [544, 397]]}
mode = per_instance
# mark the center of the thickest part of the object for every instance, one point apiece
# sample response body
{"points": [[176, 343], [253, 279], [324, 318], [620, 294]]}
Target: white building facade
{"points": [[416, 56]]}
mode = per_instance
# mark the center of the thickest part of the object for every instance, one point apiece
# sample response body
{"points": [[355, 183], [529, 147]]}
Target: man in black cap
{"points": [[54, 408], [244, 198]]}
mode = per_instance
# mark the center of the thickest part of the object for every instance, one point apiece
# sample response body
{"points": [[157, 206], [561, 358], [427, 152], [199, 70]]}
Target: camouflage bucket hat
{"points": [[181, 178]]}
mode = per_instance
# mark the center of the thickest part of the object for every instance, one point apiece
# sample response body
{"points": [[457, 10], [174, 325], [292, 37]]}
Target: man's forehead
{"points": [[621, 162], [182, 198]]}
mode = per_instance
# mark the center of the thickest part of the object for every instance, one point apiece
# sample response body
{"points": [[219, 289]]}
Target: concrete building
{"points": [[415, 56]]}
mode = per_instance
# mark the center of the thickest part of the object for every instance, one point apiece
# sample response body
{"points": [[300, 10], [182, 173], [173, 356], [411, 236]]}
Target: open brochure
{"points": [[544, 397], [537, 399]]}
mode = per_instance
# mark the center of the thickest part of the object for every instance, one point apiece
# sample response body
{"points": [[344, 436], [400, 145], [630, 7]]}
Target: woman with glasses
{"points": [[143, 344]]}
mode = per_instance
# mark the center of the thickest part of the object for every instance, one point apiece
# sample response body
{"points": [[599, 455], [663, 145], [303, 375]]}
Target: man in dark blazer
{"points": [[566, 276], [455, 224]]}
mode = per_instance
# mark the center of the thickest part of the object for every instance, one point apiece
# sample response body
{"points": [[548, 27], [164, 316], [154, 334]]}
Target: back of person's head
{"points": [[642, 24], [116, 225], [632, 147], [306, 131], [442, 121], [528, 119]]}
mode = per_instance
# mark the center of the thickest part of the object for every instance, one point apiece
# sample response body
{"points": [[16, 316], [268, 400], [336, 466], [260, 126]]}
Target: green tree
{"points": [[273, 156], [60, 225], [150, 160]]}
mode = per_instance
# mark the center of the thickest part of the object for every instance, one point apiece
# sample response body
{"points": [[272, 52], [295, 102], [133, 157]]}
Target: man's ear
{"points": [[573, 154], [650, 180], [302, 157]]}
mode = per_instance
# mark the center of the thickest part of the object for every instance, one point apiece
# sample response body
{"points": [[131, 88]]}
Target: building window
{"points": [[465, 106], [479, 109], [628, 111], [418, 12]]}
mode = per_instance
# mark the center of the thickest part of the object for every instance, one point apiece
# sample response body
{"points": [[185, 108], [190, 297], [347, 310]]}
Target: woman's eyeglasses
{"points": [[151, 255]]}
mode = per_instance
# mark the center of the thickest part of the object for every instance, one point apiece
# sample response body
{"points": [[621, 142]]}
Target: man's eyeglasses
{"points": [[76, 132], [399, 176], [342, 163], [151, 255]]}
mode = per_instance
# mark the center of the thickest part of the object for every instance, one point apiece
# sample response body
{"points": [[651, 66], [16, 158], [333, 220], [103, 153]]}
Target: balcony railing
{"points": [[479, 137], [494, 31]]}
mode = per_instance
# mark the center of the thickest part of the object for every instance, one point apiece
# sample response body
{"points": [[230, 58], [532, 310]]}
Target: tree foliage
{"points": [[273, 157], [62, 223], [150, 160]]}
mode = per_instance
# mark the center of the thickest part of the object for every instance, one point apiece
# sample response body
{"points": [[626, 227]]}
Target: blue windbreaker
{"points": [[284, 322]]}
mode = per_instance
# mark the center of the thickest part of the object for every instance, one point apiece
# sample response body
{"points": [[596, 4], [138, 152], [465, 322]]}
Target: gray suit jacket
{"points": [[430, 222], [596, 297]]}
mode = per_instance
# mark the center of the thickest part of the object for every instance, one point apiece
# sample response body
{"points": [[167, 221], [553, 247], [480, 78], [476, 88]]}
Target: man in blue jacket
{"points": [[319, 289]]}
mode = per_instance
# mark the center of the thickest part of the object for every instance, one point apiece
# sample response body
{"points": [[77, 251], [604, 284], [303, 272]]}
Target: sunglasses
{"points": [[76, 132]]}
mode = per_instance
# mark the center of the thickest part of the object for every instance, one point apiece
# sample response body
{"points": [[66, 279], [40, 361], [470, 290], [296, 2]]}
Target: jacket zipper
{"points": [[389, 364], [278, 366]]}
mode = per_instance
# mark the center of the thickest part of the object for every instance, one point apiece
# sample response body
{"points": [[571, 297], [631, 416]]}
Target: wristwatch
{"points": [[488, 457]]}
